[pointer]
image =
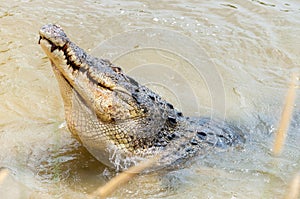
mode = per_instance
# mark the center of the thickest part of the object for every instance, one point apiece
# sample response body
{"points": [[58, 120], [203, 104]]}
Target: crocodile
{"points": [[122, 122]]}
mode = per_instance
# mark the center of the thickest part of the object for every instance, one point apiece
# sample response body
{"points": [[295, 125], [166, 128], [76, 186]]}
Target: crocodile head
{"points": [[100, 85], [125, 113]]}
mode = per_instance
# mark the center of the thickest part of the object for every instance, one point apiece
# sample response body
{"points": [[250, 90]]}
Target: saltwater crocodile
{"points": [[120, 121]]}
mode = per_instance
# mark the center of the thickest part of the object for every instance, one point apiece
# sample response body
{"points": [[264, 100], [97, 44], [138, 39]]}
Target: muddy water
{"points": [[248, 50]]}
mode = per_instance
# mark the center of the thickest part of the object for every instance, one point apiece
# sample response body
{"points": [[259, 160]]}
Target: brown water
{"points": [[232, 59]]}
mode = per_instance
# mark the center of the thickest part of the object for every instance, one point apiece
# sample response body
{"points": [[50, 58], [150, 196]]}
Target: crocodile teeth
{"points": [[53, 47], [77, 62], [68, 50]]}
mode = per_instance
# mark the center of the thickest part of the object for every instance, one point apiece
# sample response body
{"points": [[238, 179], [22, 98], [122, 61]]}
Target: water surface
{"points": [[248, 51]]}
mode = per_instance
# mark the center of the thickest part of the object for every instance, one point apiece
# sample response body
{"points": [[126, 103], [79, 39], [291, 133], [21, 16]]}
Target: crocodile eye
{"points": [[116, 69]]}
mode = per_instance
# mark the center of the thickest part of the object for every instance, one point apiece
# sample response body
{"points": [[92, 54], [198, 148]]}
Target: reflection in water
{"points": [[253, 44]]}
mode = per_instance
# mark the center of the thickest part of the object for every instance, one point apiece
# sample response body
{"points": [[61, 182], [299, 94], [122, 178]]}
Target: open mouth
{"points": [[64, 48], [70, 58], [53, 46]]}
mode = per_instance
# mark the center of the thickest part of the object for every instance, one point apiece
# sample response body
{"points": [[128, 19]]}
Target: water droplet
{"points": [[155, 19]]}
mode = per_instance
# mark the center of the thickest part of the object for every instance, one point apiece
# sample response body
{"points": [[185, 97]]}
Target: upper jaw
{"points": [[54, 34]]}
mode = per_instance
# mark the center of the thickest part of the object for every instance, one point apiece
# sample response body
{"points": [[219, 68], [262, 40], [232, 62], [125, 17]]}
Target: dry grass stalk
{"points": [[3, 175], [122, 178], [285, 117], [294, 188]]}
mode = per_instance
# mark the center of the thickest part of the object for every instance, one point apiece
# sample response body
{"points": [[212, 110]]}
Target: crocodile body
{"points": [[120, 121]]}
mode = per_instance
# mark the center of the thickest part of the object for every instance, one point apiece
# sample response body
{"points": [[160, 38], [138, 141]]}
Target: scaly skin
{"points": [[120, 121]]}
